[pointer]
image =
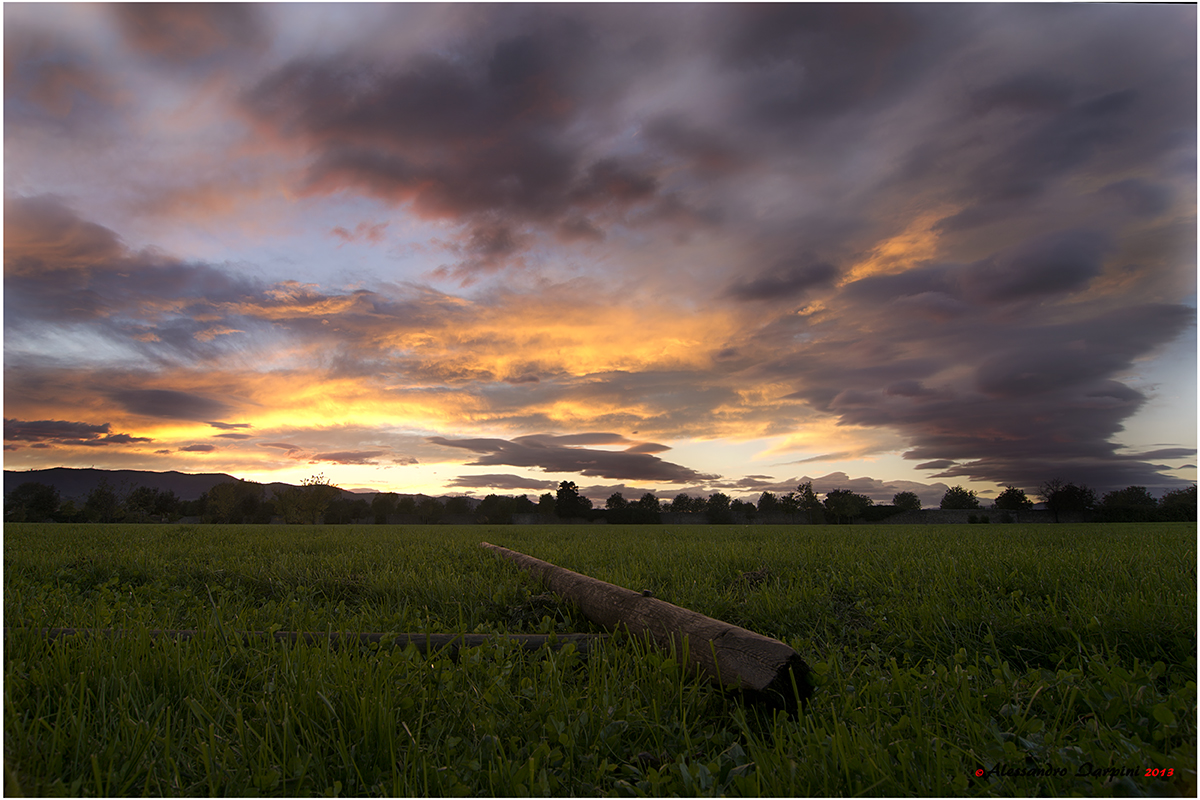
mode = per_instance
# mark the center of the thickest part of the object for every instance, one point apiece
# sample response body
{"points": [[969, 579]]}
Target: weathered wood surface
{"points": [[734, 657], [424, 642]]}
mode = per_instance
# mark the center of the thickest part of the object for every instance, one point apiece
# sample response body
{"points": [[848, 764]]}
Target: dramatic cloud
{"points": [[561, 454], [48, 432], [502, 483], [947, 242], [483, 136], [170, 404]]}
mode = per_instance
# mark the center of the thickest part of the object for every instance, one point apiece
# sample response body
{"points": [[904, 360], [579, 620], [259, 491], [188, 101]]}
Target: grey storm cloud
{"points": [[565, 454], [170, 404], [486, 136], [62, 270], [1054, 264], [785, 282]]}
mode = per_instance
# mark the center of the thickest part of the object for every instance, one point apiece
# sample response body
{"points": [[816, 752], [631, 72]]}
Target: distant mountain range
{"points": [[77, 484]]}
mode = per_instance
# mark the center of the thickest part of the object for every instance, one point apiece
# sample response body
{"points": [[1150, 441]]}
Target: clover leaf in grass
{"points": [[1163, 714]]}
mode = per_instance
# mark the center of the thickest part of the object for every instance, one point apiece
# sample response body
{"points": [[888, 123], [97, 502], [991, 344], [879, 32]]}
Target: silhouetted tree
{"points": [[649, 502], [1066, 498], [383, 505], [69, 511], [615, 501], [103, 505], [146, 504], [316, 494], [806, 500], [497, 510], [345, 510], [682, 504], [845, 504], [906, 501], [457, 506], [236, 502], [790, 504], [716, 509], [31, 502], [569, 503], [286, 502], [1179, 505], [491, 511], [743, 510], [1131, 504], [194, 508], [768, 504], [1012, 499], [429, 510], [407, 505], [957, 497]]}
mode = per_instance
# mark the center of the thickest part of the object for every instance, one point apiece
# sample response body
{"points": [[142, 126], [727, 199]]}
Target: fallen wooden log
{"points": [[424, 642], [764, 668]]}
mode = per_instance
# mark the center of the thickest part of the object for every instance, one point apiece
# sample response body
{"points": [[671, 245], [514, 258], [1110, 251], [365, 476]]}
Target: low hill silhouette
{"points": [[77, 484]]}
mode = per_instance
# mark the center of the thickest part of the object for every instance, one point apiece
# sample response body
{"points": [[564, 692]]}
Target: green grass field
{"points": [[1057, 660]]}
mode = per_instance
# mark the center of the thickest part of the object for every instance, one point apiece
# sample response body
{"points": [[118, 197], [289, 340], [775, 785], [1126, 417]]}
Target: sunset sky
{"points": [[487, 248]]}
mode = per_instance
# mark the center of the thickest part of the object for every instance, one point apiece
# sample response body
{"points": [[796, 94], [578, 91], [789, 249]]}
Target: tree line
{"points": [[317, 501], [1078, 502]]}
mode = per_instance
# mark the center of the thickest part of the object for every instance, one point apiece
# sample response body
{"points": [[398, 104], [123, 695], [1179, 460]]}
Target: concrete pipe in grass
{"points": [[764, 669]]}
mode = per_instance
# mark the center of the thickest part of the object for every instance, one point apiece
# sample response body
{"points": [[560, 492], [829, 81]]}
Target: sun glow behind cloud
{"points": [[330, 238]]}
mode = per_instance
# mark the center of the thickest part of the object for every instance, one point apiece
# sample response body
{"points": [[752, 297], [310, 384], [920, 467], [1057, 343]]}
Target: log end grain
{"points": [[790, 690]]}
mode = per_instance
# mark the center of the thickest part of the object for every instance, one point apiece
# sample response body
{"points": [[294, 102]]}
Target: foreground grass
{"points": [[1064, 653]]}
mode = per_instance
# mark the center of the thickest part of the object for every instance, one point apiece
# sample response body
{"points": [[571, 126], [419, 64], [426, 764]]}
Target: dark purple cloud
{"points": [[61, 432], [785, 281], [564, 454], [1041, 401], [170, 404], [63, 271], [485, 136], [817, 61]]}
